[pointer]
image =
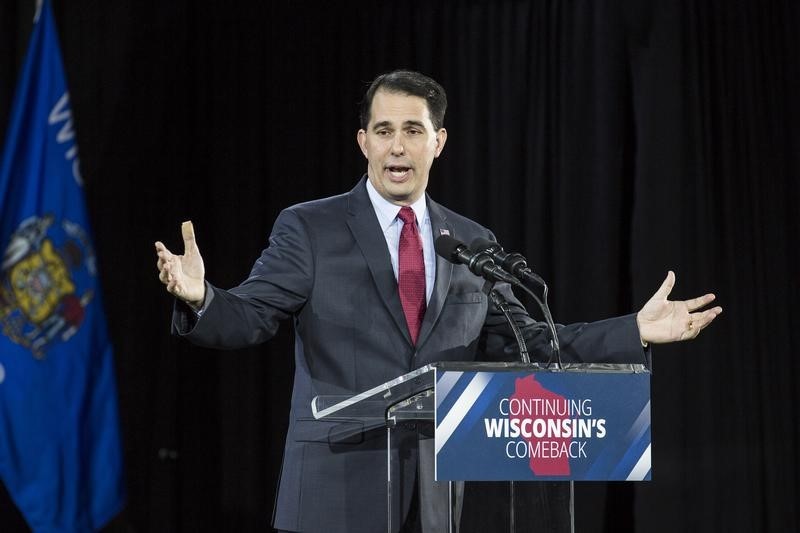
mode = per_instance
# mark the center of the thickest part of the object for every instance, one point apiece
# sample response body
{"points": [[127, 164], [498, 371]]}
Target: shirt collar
{"points": [[387, 211]]}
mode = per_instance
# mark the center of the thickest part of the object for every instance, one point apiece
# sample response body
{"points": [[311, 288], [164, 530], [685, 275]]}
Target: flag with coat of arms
{"points": [[60, 451]]}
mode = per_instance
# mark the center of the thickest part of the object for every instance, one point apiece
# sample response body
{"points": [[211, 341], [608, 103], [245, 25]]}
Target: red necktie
{"points": [[411, 272]]}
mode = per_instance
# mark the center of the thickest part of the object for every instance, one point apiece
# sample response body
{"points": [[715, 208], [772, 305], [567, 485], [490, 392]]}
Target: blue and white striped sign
{"points": [[523, 425]]}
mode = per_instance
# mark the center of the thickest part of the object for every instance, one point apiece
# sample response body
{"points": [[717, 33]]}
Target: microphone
{"points": [[514, 263], [480, 264], [518, 266]]}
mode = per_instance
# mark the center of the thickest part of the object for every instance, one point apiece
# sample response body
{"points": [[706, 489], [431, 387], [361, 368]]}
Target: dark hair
{"points": [[410, 83]]}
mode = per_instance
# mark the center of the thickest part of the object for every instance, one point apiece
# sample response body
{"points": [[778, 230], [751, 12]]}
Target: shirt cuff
{"points": [[198, 311]]}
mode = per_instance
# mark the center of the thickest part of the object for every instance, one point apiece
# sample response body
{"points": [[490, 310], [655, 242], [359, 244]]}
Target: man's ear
{"points": [[441, 138], [361, 138]]}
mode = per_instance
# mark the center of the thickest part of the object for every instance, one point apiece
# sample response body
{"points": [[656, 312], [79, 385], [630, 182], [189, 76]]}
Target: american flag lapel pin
{"points": [[443, 231]]}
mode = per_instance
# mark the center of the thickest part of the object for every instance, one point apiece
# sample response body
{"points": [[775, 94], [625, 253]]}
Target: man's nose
{"points": [[397, 144]]}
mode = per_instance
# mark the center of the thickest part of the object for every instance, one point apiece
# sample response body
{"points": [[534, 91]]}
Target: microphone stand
{"points": [[501, 303], [556, 351], [530, 277]]}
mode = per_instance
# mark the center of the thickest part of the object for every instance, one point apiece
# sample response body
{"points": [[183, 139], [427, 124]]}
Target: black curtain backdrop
{"points": [[608, 140]]}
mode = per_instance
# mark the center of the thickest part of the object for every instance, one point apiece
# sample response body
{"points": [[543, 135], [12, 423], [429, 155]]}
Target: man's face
{"points": [[400, 145]]}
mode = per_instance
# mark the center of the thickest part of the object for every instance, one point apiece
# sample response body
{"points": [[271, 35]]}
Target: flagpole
{"points": [[38, 11]]}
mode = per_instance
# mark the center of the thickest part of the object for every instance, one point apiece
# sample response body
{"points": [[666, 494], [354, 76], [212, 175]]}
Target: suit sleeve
{"points": [[278, 286]]}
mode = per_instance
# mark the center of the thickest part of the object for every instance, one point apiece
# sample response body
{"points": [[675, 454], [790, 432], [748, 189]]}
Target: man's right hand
{"points": [[184, 275]]}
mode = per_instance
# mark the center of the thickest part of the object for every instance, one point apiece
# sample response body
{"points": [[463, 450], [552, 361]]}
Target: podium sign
{"points": [[591, 422]]}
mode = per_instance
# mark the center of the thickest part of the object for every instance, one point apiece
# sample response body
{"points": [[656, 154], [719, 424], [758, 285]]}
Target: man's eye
{"points": [[413, 131], [384, 133]]}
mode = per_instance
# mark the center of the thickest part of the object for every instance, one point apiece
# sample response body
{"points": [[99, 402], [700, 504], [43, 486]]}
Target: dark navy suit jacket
{"points": [[328, 268]]}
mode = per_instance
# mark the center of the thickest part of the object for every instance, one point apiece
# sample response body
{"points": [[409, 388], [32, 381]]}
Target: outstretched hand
{"points": [[184, 275], [662, 320]]}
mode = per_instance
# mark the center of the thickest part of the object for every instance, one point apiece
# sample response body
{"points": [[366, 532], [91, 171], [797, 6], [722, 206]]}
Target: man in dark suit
{"points": [[370, 301]]}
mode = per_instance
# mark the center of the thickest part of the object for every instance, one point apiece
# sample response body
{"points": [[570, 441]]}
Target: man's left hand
{"points": [[662, 320]]}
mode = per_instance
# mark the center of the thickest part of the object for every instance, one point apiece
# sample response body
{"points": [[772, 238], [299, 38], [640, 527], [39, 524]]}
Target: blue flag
{"points": [[60, 453]]}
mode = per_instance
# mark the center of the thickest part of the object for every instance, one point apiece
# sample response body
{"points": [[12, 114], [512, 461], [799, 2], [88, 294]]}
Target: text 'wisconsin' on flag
{"points": [[60, 452]]}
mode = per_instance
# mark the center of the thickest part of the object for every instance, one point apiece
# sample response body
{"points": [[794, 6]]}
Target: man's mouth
{"points": [[398, 172]]}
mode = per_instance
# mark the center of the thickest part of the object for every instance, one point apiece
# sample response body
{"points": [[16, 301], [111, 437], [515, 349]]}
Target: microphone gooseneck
{"points": [[517, 265]]}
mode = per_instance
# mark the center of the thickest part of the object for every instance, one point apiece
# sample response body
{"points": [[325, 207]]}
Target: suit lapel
{"points": [[366, 230], [444, 270]]}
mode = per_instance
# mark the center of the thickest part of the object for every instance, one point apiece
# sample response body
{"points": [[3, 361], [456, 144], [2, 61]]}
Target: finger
{"points": [[165, 274], [172, 287], [693, 326], [698, 322], [705, 318], [168, 271], [666, 287], [163, 252], [700, 301], [187, 230], [160, 248]]}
